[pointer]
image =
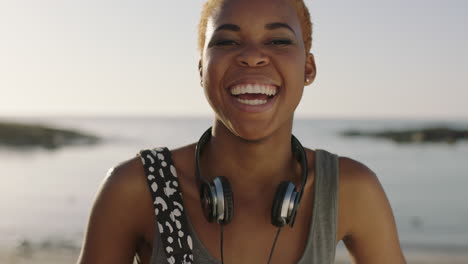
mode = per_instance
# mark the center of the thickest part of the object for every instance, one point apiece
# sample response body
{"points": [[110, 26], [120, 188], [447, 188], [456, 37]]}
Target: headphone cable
{"points": [[274, 244], [222, 244], [271, 251]]}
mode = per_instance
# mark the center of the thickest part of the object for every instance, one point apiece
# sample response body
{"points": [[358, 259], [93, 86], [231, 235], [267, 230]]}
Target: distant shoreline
{"points": [[209, 116]]}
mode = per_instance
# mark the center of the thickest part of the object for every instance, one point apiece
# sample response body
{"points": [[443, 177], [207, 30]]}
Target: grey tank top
{"points": [[321, 242]]}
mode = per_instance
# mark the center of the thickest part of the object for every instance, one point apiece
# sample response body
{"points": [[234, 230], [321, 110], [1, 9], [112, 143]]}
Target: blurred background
{"points": [[86, 84]]}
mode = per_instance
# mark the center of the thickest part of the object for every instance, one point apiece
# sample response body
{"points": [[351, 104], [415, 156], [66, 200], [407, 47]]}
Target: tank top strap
{"points": [[325, 211], [167, 203]]}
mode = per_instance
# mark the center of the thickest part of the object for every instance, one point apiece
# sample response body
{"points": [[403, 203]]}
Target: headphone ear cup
{"points": [[207, 198], [278, 203], [228, 200]]}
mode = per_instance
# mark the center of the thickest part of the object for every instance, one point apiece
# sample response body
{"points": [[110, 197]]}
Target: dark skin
{"points": [[257, 145]]}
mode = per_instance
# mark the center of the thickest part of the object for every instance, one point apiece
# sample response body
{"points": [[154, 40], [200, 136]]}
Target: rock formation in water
{"points": [[426, 135], [17, 135]]}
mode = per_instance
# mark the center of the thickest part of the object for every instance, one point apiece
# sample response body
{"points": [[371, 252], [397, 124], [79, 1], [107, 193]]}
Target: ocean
{"points": [[46, 195]]}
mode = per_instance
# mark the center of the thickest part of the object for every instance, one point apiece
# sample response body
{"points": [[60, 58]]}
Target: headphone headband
{"points": [[291, 203], [301, 156], [201, 143], [297, 149]]}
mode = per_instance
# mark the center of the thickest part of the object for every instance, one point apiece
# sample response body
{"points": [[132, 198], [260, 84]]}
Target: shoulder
{"points": [[127, 175], [358, 186], [125, 183], [120, 216], [124, 192], [355, 176], [366, 222]]}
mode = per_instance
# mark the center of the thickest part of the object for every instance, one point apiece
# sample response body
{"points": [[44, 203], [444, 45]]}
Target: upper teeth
{"points": [[253, 89]]}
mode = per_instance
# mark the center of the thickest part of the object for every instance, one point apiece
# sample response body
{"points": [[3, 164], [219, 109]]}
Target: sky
{"points": [[375, 59]]}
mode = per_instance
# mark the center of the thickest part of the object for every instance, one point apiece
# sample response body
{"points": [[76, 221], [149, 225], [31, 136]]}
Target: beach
{"points": [[66, 255], [45, 206]]}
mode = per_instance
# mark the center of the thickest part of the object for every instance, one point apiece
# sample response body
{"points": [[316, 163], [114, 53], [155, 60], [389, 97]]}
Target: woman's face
{"points": [[254, 65]]}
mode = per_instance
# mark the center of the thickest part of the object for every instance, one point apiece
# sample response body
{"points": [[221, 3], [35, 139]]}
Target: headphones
{"points": [[217, 198]]}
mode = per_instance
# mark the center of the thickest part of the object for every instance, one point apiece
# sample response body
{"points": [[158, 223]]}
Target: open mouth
{"points": [[254, 94]]}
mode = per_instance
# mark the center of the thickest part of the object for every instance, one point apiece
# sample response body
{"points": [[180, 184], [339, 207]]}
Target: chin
{"points": [[253, 132], [252, 129], [252, 136]]}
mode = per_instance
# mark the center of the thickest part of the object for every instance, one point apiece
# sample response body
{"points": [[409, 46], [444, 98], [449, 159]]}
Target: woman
{"points": [[254, 64]]}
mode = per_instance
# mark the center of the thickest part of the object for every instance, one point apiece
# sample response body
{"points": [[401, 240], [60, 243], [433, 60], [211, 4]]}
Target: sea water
{"points": [[47, 194]]}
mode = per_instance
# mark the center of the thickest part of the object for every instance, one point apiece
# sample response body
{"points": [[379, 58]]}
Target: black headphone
{"points": [[217, 198]]}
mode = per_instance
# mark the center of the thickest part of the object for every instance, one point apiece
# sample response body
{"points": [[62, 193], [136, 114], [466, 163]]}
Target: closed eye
{"points": [[224, 43], [280, 42]]}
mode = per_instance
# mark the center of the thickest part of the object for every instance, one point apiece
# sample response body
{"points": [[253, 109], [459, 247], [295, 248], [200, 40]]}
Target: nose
{"points": [[252, 57]]}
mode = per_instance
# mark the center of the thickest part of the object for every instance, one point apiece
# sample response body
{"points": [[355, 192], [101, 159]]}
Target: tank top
{"points": [[162, 179]]}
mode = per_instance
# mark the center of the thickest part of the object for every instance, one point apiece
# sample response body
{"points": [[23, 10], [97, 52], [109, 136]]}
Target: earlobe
{"points": [[310, 69]]}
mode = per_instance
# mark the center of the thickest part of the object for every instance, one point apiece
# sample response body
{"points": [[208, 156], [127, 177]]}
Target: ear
{"points": [[310, 69], [200, 71]]}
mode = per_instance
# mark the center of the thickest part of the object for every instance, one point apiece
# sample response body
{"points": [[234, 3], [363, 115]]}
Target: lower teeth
{"points": [[252, 102]]}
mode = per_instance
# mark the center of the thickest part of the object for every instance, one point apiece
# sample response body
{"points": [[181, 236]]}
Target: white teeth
{"points": [[253, 89], [252, 102]]}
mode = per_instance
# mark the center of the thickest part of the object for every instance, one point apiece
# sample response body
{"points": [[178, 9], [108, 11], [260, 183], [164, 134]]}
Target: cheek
{"points": [[213, 69], [292, 68], [213, 73], [299, 62]]}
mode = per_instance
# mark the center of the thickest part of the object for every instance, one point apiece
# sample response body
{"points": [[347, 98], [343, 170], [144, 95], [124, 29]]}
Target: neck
{"points": [[252, 167]]}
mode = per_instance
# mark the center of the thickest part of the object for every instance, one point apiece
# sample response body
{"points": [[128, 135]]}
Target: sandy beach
{"points": [[418, 257], [64, 254], [42, 256]]}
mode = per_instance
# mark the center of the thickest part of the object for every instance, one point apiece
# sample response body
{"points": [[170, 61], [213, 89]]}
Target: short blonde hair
{"points": [[301, 9]]}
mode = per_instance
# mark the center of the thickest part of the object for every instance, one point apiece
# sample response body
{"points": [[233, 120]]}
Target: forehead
{"points": [[254, 12]]}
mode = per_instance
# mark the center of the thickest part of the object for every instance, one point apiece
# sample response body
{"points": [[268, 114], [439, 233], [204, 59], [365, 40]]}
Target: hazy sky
{"points": [[375, 58]]}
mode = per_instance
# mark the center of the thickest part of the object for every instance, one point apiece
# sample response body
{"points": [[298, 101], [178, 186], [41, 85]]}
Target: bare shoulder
{"points": [[128, 190], [118, 219], [357, 184], [125, 185], [127, 177], [356, 178], [366, 223], [355, 173]]}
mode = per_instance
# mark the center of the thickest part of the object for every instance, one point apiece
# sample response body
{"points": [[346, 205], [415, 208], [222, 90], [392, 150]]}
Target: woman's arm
{"points": [[115, 224], [371, 235]]}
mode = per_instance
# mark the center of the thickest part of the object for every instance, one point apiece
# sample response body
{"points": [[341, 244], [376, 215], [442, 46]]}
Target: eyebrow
{"points": [[269, 26], [230, 27], [277, 25]]}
